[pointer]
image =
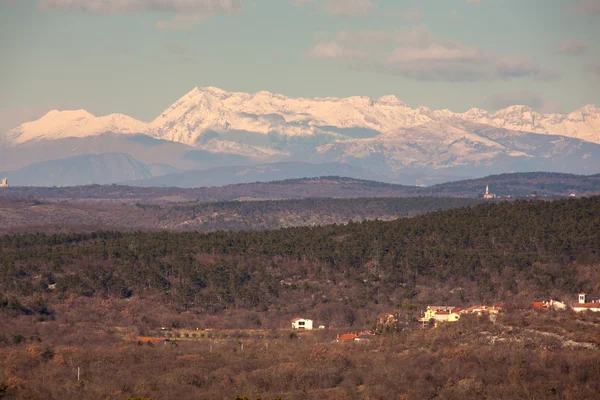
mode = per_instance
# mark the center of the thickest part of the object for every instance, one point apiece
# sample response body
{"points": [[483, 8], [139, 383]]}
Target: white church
{"points": [[487, 195]]}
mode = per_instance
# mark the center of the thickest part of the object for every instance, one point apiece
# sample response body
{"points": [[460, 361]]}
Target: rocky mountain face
{"points": [[212, 127]]}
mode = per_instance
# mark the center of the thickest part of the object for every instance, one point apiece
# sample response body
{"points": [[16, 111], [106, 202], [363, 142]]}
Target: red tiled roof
{"points": [[538, 304], [586, 305], [347, 336]]}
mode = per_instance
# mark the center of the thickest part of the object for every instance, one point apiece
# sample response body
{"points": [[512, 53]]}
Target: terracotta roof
{"points": [[347, 336], [586, 305], [538, 304]]}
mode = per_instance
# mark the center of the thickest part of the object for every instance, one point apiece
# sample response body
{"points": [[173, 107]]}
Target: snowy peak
{"points": [[74, 123], [216, 110]]}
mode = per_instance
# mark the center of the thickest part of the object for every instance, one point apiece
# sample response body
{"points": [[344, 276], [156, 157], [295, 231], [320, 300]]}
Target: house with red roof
{"points": [[584, 305]]}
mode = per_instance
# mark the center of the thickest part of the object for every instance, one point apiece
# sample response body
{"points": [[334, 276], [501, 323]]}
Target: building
{"points": [[487, 195], [441, 314], [364, 337], [358, 337], [549, 305], [302, 323], [482, 310], [583, 304], [4, 182]]}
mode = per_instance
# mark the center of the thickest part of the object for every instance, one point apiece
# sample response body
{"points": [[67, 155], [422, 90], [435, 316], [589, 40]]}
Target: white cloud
{"points": [[587, 7], [571, 47], [333, 49], [594, 68], [416, 53]]}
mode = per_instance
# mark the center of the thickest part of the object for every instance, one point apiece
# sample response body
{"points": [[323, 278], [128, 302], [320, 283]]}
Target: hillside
{"points": [[23, 215], [522, 184], [492, 252], [207, 315]]}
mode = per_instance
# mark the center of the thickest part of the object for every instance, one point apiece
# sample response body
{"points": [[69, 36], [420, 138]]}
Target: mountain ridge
{"points": [[349, 112], [385, 136]]}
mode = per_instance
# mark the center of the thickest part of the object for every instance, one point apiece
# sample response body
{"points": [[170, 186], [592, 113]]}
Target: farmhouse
{"points": [[441, 314], [302, 323], [584, 305], [552, 304]]}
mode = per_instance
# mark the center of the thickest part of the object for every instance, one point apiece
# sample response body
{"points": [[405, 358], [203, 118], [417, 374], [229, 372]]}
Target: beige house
{"points": [[3, 182], [441, 314]]}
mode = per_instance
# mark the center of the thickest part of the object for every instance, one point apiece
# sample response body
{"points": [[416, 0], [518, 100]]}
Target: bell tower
{"points": [[582, 298]]}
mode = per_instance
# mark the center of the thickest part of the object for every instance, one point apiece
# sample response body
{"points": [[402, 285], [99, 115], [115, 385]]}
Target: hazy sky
{"points": [[138, 56]]}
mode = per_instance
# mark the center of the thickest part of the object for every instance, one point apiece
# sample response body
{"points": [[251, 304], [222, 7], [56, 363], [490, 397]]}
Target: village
{"points": [[429, 318]]}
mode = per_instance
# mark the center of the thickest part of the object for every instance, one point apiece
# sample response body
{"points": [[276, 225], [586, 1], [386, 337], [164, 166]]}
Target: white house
{"points": [[3, 182], [302, 323], [583, 305]]}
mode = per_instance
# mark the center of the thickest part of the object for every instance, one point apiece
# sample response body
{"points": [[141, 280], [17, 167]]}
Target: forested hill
{"points": [[24, 215], [523, 184], [492, 252], [515, 185]]}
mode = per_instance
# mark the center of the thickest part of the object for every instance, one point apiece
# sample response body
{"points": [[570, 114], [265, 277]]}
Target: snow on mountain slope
{"points": [[215, 110], [582, 124], [74, 123], [466, 146]]}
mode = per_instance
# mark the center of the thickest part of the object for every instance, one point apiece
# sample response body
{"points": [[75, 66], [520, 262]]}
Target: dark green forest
{"points": [[490, 252]]}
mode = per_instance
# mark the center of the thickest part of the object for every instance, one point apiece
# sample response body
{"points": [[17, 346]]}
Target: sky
{"points": [[138, 56]]}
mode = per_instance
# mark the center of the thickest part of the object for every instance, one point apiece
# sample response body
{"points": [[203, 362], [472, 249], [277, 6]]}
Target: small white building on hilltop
{"points": [[302, 323], [584, 305], [4, 182]]}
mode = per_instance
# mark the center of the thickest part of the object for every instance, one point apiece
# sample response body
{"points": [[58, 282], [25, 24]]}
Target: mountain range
{"points": [[380, 139]]}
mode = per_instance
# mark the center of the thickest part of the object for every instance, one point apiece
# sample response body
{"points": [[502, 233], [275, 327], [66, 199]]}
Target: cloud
{"points": [[571, 47], [594, 68], [416, 53], [333, 49], [587, 7], [533, 100], [339, 7]]}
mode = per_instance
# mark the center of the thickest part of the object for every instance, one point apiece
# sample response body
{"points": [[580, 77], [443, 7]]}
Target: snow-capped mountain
{"points": [[211, 127], [214, 110], [74, 123]]}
